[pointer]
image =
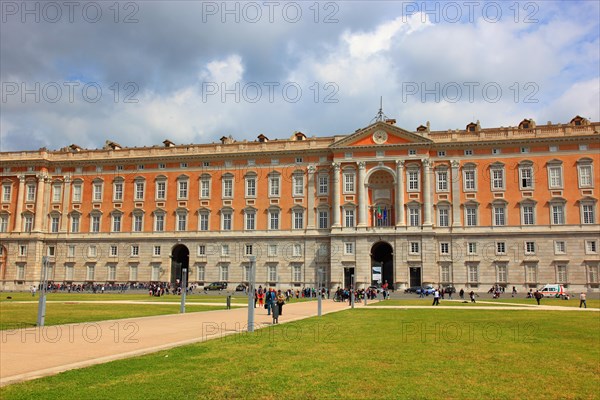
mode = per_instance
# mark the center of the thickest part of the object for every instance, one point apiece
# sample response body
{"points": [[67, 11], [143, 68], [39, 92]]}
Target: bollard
{"points": [[229, 302]]}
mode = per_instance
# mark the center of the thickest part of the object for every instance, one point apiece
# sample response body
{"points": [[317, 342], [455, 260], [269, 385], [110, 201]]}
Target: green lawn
{"points": [[361, 353], [428, 302], [19, 315], [210, 298], [591, 303]]}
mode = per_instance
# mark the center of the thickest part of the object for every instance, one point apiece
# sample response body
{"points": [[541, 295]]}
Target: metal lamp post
{"points": [[183, 289], [251, 283], [43, 285], [319, 297], [352, 290]]}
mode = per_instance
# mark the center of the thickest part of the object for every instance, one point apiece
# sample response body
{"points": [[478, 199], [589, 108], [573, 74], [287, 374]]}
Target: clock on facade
{"points": [[380, 137]]}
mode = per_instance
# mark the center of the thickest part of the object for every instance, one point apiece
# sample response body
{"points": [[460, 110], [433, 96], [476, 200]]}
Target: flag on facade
{"points": [[385, 213], [378, 212]]}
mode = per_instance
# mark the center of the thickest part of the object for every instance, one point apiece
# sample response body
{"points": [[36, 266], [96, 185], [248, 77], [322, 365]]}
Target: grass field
{"points": [[361, 353], [211, 298], [591, 303]]}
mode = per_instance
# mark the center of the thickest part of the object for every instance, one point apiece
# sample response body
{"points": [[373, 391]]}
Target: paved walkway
{"points": [[35, 352]]}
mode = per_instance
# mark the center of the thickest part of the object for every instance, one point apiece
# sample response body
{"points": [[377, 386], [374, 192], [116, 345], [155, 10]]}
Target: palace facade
{"points": [[510, 206]]}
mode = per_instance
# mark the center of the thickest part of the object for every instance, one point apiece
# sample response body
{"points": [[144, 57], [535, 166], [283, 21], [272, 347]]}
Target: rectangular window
{"points": [[77, 193], [472, 248], [349, 182], [224, 273], [159, 223], [348, 248], [272, 273], [20, 272], [201, 250], [499, 215], [323, 185], [155, 273], [69, 272], [183, 190], [555, 177], [444, 217], [116, 226], [138, 222], [248, 250], [471, 213], [92, 251], [139, 190], [496, 151], [181, 222], [529, 247], [205, 188], [75, 224], [56, 193], [445, 273], [296, 250], [112, 273], [161, 190], [156, 251], [6, 192], [591, 246], [526, 178], [51, 251], [500, 248], [200, 273], [528, 216], [412, 152], [274, 186], [558, 214], [414, 247], [413, 181], [473, 274], [251, 187], [274, 220], [297, 273], [250, 221], [414, 216], [323, 219], [442, 181], [227, 187], [441, 153], [22, 250], [497, 179], [95, 223], [298, 219], [54, 224], [118, 191], [468, 152], [469, 177], [27, 223], [585, 176], [272, 250], [133, 273], [561, 273], [227, 221], [3, 223], [114, 250], [97, 192], [30, 192], [349, 218], [502, 273], [593, 274], [560, 247], [531, 273], [588, 213], [553, 149], [90, 272], [444, 248], [203, 222], [298, 182], [135, 250]]}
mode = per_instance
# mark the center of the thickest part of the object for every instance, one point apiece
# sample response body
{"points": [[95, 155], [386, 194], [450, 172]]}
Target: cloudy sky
{"points": [[192, 71]]}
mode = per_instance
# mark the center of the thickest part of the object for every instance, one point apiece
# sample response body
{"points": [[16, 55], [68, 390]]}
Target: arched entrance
{"points": [[180, 260], [382, 264], [381, 183]]}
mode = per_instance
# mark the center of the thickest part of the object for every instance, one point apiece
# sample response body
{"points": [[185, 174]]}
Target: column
{"points": [[310, 224], [335, 195], [427, 203], [39, 202], [400, 193], [455, 194], [20, 195], [65, 204], [362, 194]]}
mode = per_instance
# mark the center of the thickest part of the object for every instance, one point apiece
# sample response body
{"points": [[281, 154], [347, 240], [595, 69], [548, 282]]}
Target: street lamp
{"points": [[43, 285], [183, 289], [251, 283], [319, 298], [352, 290]]}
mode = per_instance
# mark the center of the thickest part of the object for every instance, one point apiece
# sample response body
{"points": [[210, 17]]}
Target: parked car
{"points": [[216, 286], [450, 289], [240, 288], [427, 290], [412, 289]]}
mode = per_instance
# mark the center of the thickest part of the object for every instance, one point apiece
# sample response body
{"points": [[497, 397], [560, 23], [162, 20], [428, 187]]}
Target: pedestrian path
{"points": [[30, 353]]}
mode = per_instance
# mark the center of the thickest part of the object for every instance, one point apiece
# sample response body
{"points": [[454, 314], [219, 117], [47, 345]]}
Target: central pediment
{"points": [[381, 134]]}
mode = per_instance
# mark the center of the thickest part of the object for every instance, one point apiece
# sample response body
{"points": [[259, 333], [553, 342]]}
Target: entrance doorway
{"points": [[382, 259], [180, 260], [415, 276], [348, 276]]}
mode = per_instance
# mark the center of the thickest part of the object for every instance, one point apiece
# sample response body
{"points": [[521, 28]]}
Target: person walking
{"points": [[461, 294], [582, 300], [538, 296], [280, 302], [472, 296], [270, 301], [514, 291], [436, 298], [275, 308]]}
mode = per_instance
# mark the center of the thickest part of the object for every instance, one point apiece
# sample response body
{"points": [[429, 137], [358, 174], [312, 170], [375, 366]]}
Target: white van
{"points": [[554, 290]]}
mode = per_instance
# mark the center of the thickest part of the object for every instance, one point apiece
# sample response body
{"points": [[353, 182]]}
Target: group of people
{"points": [[271, 300]]}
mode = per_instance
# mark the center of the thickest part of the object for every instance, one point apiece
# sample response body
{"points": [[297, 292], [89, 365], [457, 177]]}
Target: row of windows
{"points": [[529, 248], [530, 274]]}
